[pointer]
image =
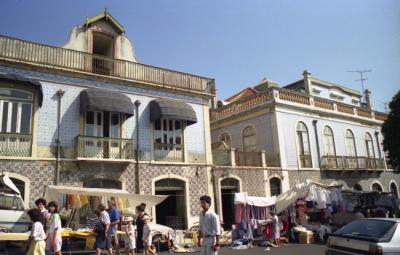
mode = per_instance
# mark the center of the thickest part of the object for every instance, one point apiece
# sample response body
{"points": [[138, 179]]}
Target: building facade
{"points": [[88, 114], [274, 138]]}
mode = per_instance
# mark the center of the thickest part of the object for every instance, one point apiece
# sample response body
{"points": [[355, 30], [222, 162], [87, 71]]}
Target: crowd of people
{"points": [[46, 234]]}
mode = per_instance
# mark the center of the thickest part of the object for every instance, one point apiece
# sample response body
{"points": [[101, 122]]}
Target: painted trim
{"points": [[27, 190], [187, 194]]}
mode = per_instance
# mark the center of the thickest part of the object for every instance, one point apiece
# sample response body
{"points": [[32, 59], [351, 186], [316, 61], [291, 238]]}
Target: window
{"points": [[350, 144], [11, 202], [329, 142], [369, 144], [249, 139], [168, 131], [102, 184], [15, 111], [103, 124], [303, 143], [225, 137], [393, 190], [377, 187], [275, 186]]}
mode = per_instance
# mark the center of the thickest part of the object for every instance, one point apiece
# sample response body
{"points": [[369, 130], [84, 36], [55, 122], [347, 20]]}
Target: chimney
{"points": [[307, 81], [368, 99]]}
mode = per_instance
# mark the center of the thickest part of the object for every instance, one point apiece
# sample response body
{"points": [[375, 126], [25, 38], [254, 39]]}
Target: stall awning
{"points": [[53, 192], [243, 198], [26, 81], [170, 109], [106, 100]]}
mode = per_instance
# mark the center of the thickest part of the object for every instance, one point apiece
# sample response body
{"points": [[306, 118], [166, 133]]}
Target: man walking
{"points": [[114, 219], [210, 228]]}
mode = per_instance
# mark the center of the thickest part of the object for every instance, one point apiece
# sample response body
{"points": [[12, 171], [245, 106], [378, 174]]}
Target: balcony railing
{"points": [[352, 163], [104, 148], [15, 145], [50, 56], [168, 152], [298, 99], [305, 161], [248, 158]]}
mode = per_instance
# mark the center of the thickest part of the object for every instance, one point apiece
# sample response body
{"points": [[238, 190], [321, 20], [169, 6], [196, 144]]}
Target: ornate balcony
{"points": [[15, 145], [21, 51], [351, 163], [89, 147], [168, 152]]}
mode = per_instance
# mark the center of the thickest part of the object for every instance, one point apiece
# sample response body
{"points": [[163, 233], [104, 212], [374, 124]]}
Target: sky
{"points": [[238, 43]]}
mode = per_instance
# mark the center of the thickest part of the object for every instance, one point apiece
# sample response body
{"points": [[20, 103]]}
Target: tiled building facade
{"points": [[97, 144]]}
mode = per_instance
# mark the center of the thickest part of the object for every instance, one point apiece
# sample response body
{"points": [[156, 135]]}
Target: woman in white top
{"points": [[130, 237], [54, 240], [147, 239], [36, 239], [276, 231]]}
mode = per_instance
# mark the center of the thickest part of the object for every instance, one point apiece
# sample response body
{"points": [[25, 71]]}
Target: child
{"points": [[36, 239], [130, 238], [54, 240], [147, 240]]}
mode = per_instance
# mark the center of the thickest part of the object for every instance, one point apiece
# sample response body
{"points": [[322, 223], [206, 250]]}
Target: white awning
{"points": [[8, 183], [53, 192], [243, 198]]}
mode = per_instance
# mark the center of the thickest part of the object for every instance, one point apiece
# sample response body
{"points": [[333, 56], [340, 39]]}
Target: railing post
{"points": [[232, 157], [263, 160]]}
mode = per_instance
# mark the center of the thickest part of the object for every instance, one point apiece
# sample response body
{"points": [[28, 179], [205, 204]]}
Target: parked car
{"points": [[366, 236], [13, 217]]}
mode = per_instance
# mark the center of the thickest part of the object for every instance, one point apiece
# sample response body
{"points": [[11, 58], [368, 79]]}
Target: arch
{"points": [[225, 137], [351, 149], [178, 193], [329, 142], [376, 186], [102, 183], [249, 138], [275, 186], [25, 194], [228, 187], [394, 189], [358, 187], [303, 145]]}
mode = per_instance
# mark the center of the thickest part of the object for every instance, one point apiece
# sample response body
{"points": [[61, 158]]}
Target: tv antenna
{"points": [[362, 79]]}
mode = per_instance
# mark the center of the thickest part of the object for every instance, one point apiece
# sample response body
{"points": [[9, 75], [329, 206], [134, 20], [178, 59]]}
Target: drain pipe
{"points": [[317, 141], [214, 185], [60, 93], [137, 171]]}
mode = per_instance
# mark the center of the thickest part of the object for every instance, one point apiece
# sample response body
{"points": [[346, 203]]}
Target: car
{"points": [[13, 216], [366, 236]]}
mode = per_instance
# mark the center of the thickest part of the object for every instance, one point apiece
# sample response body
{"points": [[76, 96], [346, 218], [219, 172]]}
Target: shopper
{"points": [[210, 228], [130, 237], [139, 227], [276, 230], [41, 205], [103, 238], [147, 238], [54, 240], [37, 236], [115, 220]]}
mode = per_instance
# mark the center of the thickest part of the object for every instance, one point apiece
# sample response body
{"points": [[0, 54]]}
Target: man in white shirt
{"points": [[210, 228]]}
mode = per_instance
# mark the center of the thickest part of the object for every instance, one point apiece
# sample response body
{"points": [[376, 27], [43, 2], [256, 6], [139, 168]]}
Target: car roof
{"points": [[384, 219]]}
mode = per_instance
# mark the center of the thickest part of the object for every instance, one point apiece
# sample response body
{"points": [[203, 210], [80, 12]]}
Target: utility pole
{"points": [[362, 79]]}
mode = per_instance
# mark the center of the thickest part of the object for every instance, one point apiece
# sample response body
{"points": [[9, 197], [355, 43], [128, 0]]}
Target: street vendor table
{"points": [[64, 233]]}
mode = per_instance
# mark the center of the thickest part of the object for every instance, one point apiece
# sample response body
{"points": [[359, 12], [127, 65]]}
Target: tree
{"points": [[391, 133]]}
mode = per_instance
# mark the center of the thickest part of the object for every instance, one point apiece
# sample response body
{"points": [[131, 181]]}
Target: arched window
{"points": [[303, 143], [329, 142], [377, 187], [369, 146], [102, 184], [350, 144], [249, 139], [393, 190], [226, 138], [357, 187], [275, 186]]}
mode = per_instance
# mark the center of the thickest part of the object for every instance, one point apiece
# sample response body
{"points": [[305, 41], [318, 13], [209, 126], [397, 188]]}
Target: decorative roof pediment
{"points": [[107, 17]]}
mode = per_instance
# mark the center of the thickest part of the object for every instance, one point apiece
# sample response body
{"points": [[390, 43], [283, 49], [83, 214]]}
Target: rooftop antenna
{"points": [[362, 79]]}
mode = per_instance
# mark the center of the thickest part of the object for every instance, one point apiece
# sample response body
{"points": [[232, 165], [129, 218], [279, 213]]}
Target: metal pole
{"points": [[137, 169], [317, 141], [60, 94]]}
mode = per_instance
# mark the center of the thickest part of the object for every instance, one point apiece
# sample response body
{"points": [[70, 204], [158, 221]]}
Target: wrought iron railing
{"points": [[15, 145], [248, 158], [168, 152], [50, 56], [104, 148], [351, 162]]}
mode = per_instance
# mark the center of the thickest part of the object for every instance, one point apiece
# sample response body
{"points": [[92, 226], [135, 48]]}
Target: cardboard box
{"points": [[306, 237]]}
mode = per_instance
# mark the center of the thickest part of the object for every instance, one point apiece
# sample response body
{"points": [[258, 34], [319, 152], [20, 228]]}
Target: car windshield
{"points": [[376, 229], [10, 202]]}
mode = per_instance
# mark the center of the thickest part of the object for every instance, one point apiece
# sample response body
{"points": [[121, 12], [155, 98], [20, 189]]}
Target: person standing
{"points": [[54, 240], [130, 238], [41, 205], [115, 220], [147, 238], [276, 230], [210, 228], [37, 236], [139, 227], [103, 238]]}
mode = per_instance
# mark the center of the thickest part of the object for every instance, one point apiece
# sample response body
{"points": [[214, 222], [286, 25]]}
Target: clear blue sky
{"points": [[239, 42]]}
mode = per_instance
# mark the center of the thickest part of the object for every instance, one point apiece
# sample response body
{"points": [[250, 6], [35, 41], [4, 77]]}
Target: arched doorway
{"points": [[377, 187], [393, 190], [275, 186], [102, 184], [229, 186], [357, 187], [172, 211]]}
